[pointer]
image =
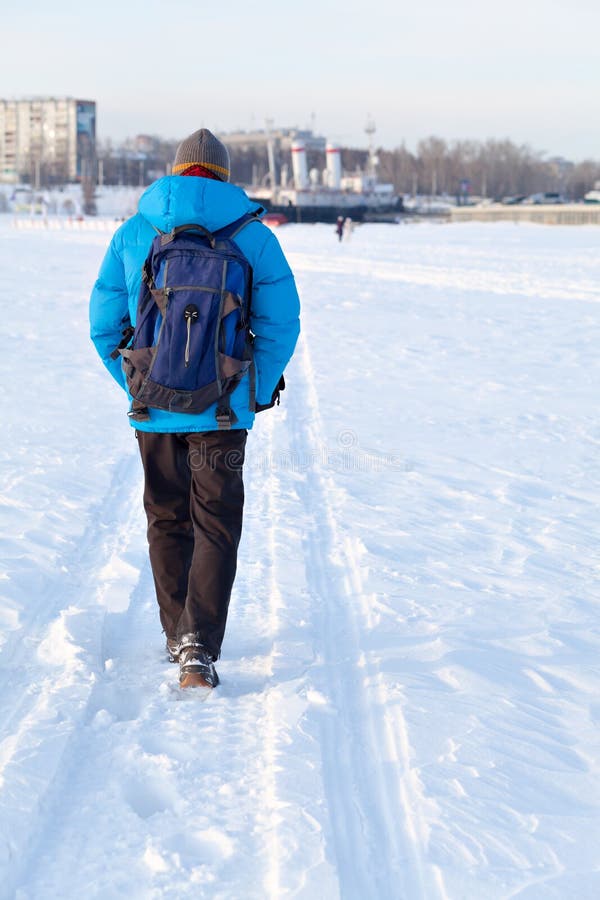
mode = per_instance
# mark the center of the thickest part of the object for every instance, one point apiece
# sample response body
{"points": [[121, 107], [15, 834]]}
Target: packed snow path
{"points": [[409, 701]]}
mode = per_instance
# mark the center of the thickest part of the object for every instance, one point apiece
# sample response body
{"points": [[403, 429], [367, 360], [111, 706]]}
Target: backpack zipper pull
{"points": [[190, 314]]}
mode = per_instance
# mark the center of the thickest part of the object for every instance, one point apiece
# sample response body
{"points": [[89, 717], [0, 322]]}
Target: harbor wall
{"points": [[559, 214]]}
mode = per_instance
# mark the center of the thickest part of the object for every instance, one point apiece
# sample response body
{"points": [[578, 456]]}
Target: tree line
{"points": [[490, 169]]}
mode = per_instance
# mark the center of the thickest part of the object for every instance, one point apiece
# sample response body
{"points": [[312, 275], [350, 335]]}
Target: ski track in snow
{"points": [[42, 718], [392, 723], [381, 831]]}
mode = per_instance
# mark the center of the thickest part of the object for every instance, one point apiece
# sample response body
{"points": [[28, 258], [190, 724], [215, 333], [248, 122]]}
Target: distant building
{"points": [[145, 143], [47, 140], [282, 139]]}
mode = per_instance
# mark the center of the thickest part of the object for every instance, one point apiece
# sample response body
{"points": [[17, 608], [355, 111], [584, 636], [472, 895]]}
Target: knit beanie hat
{"points": [[202, 148]]}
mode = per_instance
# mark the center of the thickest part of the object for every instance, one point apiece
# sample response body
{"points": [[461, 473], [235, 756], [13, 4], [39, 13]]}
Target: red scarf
{"points": [[200, 172]]}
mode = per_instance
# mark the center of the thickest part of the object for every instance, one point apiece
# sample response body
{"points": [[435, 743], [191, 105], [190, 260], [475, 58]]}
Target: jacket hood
{"points": [[179, 200]]}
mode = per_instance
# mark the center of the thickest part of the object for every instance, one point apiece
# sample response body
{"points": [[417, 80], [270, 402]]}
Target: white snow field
{"points": [[410, 698]]}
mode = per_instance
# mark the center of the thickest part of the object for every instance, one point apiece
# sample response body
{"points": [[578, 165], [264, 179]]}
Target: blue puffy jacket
{"points": [[179, 200]]}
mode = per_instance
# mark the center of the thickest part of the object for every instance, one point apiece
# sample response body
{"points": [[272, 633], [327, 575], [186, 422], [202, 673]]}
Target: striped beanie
{"points": [[202, 148]]}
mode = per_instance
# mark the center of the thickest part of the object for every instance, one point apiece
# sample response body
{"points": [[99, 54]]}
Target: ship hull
{"points": [[329, 214]]}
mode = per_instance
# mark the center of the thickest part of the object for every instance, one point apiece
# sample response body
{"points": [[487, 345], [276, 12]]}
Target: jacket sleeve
{"points": [[109, 309], [274, 317]]}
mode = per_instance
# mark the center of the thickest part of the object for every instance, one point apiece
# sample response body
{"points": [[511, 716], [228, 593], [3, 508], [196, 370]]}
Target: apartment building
{"points": [[46, 140]]}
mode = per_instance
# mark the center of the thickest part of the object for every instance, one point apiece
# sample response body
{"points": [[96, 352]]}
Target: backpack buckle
{"points": [[224, 416], [127, 335]]}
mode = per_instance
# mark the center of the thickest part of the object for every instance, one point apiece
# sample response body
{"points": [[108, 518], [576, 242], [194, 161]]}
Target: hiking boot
{"points": [[196, 667], [172, 648]]}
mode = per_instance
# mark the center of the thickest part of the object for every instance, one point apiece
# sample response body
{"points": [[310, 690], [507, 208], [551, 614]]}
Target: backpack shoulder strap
{"points": [[230, 231]]}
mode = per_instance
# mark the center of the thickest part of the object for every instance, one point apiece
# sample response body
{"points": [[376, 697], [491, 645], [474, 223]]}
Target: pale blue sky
{"points": [[524, 69]]}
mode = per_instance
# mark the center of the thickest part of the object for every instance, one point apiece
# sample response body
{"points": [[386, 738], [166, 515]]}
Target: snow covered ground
{"points": [[410, 691]]}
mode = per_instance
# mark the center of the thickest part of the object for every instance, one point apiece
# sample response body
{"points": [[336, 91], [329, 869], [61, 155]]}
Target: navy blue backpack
{"points": [[191, 342]]}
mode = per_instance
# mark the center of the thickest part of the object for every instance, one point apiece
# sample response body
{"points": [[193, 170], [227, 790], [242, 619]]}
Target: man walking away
{"points": [[192, 436]]}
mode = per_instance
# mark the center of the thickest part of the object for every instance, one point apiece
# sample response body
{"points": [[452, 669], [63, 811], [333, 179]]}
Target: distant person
{"points": [[348, 228], [194, 493], [339, 227]]}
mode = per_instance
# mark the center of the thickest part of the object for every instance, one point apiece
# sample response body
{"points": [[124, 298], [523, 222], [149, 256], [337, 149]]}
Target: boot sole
{"points": [[194, 680]]}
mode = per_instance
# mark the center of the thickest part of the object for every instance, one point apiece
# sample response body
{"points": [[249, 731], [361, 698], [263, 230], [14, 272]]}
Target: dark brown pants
{"points": [[194, 499]]}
